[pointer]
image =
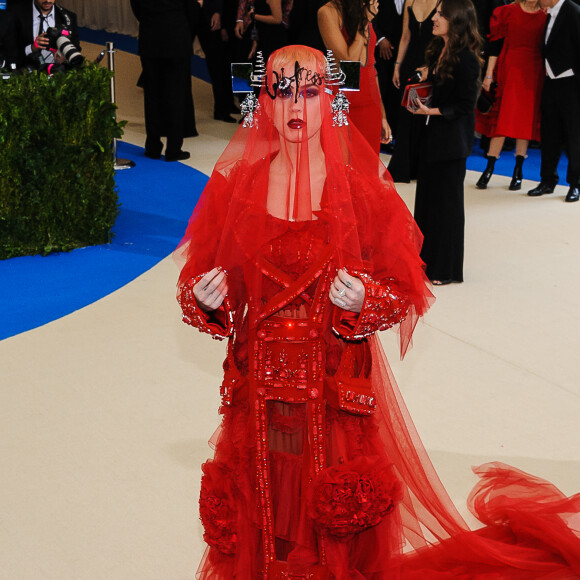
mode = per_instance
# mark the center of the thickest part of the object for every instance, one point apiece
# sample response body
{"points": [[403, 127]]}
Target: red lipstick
{"points": [[296, 123]]}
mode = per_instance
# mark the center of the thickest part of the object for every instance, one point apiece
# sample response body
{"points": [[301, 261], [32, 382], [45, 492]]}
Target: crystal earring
{"points": [[335, 78], [250, 108], [340, 107]]}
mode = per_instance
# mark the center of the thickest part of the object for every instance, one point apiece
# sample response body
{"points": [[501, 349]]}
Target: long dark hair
{"points": [[463, 34], [354, 17]]}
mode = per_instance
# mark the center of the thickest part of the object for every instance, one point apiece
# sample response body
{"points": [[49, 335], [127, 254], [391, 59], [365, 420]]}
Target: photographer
{"points": [[35, 17]]}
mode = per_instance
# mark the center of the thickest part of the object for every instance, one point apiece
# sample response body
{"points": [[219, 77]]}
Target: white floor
{"points": [[105, 414]]}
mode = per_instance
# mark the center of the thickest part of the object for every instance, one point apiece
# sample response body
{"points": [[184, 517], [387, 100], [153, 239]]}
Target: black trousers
{"points": [[218, 67], [168, 102], [440, 215], [560, 129]]}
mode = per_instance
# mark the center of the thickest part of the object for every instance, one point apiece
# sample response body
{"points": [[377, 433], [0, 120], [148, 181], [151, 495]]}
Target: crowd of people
{"points": [[400, 43], [527, 64]]}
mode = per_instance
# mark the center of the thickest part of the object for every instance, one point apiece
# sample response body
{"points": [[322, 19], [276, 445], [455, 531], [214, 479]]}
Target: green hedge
{"points": [[57, 186]]}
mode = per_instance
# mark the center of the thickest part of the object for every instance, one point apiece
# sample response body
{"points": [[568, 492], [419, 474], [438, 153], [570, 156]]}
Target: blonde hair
{"points": [[297, 53]]}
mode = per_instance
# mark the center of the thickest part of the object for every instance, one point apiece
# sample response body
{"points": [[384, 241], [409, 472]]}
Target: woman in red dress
{"points": [[346, 30], [519, 71], [298, 251]]}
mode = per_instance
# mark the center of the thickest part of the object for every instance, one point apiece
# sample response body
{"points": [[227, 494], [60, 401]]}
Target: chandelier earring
{"points": [[335, 78]]}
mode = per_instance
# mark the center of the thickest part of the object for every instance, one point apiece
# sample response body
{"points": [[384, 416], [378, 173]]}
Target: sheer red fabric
{"points": [[318, 470]]}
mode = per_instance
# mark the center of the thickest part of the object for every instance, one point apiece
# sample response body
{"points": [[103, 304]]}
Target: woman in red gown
{"points": [[345, 27], [519, 71], [298, 251]]}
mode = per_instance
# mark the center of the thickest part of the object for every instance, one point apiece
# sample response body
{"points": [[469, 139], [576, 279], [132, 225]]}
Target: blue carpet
{"points": [[156, 198], [505, 164]]}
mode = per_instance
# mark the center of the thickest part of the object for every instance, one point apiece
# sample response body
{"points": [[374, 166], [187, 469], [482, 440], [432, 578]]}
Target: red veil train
{"points": [[318, 470]]}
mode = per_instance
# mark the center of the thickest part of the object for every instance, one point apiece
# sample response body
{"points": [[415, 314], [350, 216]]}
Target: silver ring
{"points": [[342, 292], [340, 302], [348, 284]]}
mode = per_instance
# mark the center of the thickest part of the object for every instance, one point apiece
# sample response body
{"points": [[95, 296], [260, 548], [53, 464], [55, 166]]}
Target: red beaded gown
{"points": [[519, 74], [365, 104], [318, 471]]}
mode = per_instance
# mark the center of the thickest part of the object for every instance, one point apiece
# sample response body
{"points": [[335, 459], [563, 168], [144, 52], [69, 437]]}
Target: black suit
{"points": [[446, 142], [303, 24], [165, 48], [561, 97], [216, 55], [8, 38], [388, 23], [25, 16]]}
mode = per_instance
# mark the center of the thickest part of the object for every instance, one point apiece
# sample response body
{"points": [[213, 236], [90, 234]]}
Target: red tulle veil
{"points": [[371, 228]]}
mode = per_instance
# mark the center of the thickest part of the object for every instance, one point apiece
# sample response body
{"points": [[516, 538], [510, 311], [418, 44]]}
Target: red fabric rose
{"points": [[349, 498], [215, 508]]}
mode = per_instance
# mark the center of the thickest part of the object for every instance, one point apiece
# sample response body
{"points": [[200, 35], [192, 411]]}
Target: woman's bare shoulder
{"points": [[329, 11]]}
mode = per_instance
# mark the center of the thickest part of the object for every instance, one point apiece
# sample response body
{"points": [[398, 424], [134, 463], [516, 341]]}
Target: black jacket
{"points": [[166, 27], [388, 23], [450, 135], [8, 38], [24, 14], [563, 48]]}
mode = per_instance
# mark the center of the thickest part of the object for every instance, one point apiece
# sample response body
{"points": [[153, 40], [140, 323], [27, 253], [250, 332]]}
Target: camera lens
{"points": [[69, 51]]}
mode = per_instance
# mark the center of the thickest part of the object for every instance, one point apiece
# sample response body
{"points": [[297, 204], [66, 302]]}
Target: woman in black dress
{"points": [[272, 31], [454, 65], [416, 36]]}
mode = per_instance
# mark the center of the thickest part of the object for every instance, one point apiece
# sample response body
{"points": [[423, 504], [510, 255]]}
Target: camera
{"points": [[58, 39]]}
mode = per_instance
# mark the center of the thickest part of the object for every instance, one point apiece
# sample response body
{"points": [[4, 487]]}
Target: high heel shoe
{"points": [[486, 175], [516, 182]]}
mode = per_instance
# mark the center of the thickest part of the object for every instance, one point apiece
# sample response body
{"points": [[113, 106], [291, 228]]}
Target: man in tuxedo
{"points": [[561, 97], [388, 26], [34, 17], [166, 47]]}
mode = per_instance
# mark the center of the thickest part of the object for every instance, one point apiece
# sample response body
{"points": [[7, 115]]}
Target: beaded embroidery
{"points": [[194, 316], [383, 307]]}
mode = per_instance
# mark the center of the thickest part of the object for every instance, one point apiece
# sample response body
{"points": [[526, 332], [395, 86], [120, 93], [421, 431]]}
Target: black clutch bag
{"points": [[486, 100]]}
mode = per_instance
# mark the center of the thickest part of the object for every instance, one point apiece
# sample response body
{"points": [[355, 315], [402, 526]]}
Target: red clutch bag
{"points": [[421, 91]]}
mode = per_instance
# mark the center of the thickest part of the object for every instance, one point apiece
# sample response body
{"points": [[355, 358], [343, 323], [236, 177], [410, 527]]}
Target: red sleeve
{"points": [[384, 306], [218, 323], [498, 25]]}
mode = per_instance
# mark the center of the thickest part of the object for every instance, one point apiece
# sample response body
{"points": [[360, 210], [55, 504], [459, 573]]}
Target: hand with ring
{"points": [[211, 290], [347, 292]]}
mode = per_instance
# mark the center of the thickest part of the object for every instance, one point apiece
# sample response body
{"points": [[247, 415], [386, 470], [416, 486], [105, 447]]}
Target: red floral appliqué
{"points": [[215, 508], [349, 498]]}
